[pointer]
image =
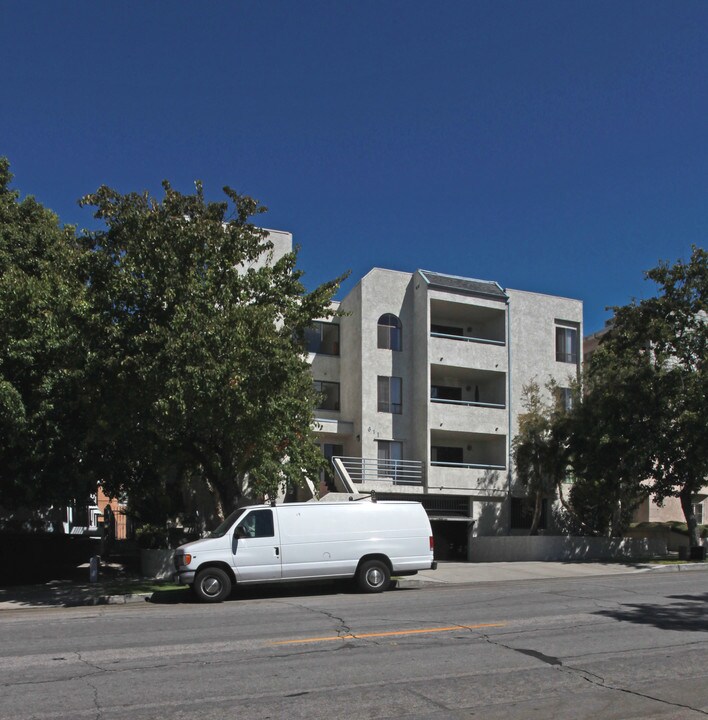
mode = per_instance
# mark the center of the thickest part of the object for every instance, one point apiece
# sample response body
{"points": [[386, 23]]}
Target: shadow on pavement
{"points": [[688, 613], [258, 592]]}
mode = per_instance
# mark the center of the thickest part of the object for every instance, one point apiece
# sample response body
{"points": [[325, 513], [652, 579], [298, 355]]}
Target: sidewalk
{"points": [[72, 593], [463, 573]]}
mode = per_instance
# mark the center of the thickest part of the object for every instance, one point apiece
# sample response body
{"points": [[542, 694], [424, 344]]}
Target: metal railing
{"points": [[362, 470], [465, 338], [473, 403], [468, 466]]}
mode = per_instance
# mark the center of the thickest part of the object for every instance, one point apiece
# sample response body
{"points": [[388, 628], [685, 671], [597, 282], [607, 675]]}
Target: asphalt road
{"points": [[615, 647]]}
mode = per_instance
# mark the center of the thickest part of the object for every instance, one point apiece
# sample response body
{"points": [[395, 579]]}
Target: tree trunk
{"points": [[686, 497], [536, 514]]}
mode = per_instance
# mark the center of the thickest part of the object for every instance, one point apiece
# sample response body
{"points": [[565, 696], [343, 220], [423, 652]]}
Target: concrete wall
{"points": [[558, 548]]}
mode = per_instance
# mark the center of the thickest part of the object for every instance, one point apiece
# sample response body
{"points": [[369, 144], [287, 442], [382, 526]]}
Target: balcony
{"points": [[376, 474], [467, 323], [467, 450]]}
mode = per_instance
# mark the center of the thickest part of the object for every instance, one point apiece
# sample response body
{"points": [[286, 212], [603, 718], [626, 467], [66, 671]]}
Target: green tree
{"points": [[199, 373], [538, 448], [607, 434], [42, 356], [648, 391]]}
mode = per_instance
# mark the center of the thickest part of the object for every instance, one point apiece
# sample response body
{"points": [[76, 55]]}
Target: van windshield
{"points": [[226, 525]]}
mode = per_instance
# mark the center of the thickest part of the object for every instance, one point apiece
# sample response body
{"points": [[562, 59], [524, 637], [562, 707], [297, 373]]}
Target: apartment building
{"points": [[422, 377]]}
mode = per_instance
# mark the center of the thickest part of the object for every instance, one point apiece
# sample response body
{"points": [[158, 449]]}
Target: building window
{"points": [[390, 394], [564, 398], [329, 394], [445, 392], [444, 455], [437, 329], [389, 450], [566, 344], [698, 512], [389, 453], [322, 338], [389, 332]]}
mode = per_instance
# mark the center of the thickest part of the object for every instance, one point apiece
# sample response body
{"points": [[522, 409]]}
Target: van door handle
{"points": [[277, 552]]}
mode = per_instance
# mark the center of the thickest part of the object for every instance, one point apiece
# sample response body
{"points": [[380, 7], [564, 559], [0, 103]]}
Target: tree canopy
{"points": [[642, 424], [43, 350], [160, 355]]}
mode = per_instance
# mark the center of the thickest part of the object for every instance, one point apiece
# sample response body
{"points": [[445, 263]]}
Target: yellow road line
{"points": [[390, 633]]}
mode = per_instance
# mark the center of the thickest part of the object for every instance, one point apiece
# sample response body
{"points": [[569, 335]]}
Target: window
{"points": [[322, 338], [389, 332], [329, 392], [389, 394], [258, 523], [445, 392], [566, 344], [442, 454], [698, 512], [446, 330], [389, 452], [564, 397]]}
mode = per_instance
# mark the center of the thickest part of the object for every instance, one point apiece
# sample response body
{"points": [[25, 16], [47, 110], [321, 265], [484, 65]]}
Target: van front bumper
{"points": [[184, 578]]}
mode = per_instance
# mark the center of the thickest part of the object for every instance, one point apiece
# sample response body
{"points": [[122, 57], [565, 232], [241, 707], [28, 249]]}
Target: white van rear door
{"points": [[255, 547]]}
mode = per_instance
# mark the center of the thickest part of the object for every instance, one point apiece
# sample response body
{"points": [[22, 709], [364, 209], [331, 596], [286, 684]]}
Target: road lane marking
{"points": [[390, 633]]}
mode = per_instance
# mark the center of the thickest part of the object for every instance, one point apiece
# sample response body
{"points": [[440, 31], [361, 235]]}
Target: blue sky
{"points": [[559, 147]]}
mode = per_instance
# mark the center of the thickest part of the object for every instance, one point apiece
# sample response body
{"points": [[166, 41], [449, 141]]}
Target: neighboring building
{"points": [[422, 378]]}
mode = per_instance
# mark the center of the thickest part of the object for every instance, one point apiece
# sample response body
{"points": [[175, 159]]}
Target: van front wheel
{"points": [[212, 585], [373, 576]]}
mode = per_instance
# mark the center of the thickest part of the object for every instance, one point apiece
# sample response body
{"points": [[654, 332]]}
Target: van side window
{"points": [[258, 523]]}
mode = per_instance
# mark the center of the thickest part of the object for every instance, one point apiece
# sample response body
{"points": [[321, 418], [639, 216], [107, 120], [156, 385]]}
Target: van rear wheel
{"points": [[212, 585], [373, 576]]}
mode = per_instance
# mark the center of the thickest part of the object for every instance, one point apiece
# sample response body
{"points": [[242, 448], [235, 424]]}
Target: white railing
{"points": [[362, 470], [465, 338], [472, 403]]}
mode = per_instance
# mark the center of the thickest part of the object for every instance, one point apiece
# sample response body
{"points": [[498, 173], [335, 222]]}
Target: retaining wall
{"points": [[561, 547]]}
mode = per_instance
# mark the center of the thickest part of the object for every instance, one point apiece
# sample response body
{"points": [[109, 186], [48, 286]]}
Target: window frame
{"points": [[389, 333], [387, 404], [321, 391], [322, 328], [567, 352]]}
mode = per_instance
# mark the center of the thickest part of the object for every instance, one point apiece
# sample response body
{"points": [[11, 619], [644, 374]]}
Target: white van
{"points": [[365, 540]]}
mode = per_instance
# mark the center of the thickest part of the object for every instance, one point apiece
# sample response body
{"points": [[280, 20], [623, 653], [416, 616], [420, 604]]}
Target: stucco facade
{"points": [[430, 369]]}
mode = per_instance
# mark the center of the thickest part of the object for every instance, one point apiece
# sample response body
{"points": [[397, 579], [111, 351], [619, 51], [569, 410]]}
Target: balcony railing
{"points": [[467, 466], [398, 472], [465, 338], [469, 402]]}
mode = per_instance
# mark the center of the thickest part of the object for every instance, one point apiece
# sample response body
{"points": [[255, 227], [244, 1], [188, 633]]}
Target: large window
{"points": [[322, 338], [389, 332], [329, 394], [444, 454], [390, 394], [445, 392], [566, 344], [564, 397]]}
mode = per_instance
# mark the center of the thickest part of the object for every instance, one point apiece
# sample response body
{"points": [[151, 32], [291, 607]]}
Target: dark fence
{"points": [[39, 557]]}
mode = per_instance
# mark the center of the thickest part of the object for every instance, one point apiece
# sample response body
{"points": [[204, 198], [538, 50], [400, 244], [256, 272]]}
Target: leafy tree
{"points": [[42, 356], [607, 436], [199, 372], [648, 391], [538, 448]]}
